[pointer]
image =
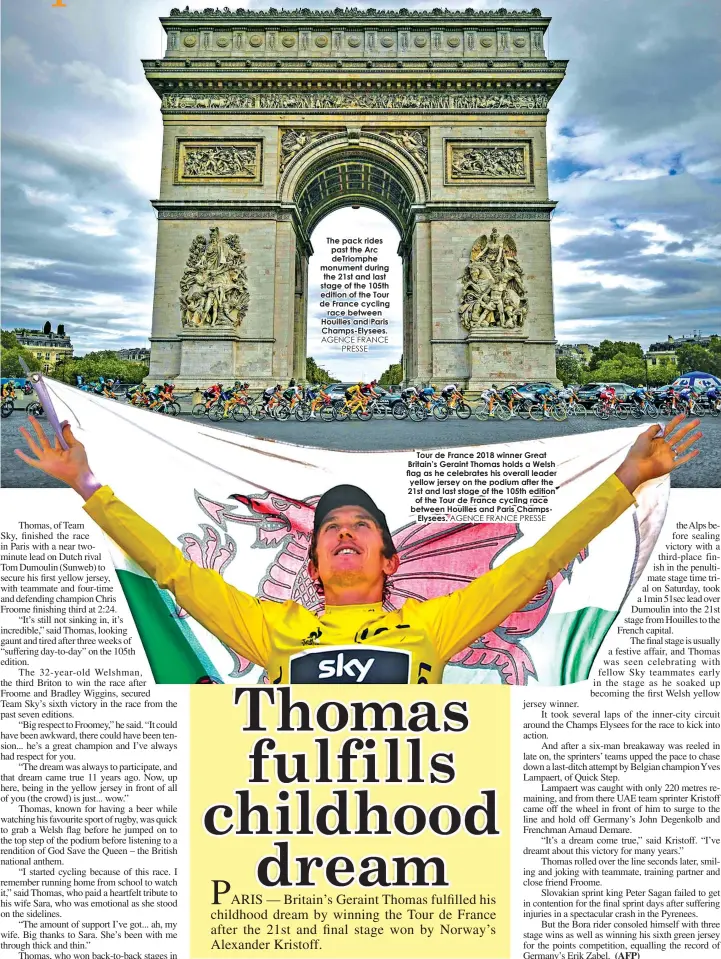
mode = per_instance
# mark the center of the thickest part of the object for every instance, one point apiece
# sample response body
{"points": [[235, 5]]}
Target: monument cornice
{"points": [[348, 15], [226, 68], [223, 210]]}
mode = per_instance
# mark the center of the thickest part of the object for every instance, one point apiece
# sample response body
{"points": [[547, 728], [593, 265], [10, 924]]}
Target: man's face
{"points": [[349, 550]]}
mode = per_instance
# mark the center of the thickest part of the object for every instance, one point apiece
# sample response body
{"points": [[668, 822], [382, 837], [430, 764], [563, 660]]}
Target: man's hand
{"points": [[69, 466], [657, 452]]}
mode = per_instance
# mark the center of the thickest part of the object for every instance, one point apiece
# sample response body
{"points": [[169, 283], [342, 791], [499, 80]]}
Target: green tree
{"points": [[104, 363], [10, 362], [11, 353], [661, 375], [393, 376], [61, 329], [317, 374], [692, 357], [622, 368], [47, 329], [568, 370], [608, 349]]}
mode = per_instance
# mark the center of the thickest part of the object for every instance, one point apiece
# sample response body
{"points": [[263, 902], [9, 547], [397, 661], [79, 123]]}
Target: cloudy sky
{"points": [[634, 136]]}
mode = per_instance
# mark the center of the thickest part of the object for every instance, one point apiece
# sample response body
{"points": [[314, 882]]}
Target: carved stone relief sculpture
{"points": [[220, 161], [214, 288], [517, 102], [293, 141], [414, 142], [493, 291], [489, 162]]}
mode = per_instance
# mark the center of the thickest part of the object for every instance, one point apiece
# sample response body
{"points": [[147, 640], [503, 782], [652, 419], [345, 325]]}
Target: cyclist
{"points": [[491, 396], [291, 392], [271, 397], [8, 390], [686, 397], [368, 392], [351, 556], [210, 396], [640, 396], [713, 395], [543, 394], [511, 395], [426, 395], [670, 396]]}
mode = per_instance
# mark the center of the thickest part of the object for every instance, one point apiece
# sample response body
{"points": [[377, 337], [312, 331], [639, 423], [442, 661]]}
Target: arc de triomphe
{"points": [[272, 119]]}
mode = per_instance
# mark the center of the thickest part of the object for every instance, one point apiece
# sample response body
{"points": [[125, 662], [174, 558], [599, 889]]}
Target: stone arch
{"points": [[341, 168], [272, 119]]}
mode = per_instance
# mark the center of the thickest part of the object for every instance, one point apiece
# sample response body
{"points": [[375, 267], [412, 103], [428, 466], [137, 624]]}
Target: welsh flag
{"points": [[245, 507]]}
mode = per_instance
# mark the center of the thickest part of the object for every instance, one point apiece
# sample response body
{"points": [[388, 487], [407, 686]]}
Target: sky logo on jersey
{"points": [[349, 664]]}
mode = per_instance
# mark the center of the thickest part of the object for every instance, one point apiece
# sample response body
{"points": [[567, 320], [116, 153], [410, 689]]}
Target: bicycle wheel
{"points": [[481, 412], [536, 412], [651, 409], [199, 409], [601, 411], [523, 409], [502, 411], [35, 409], [559, 412], [400, 411], [282, 412], [463, 411], [364, 414], [576, 409], [417, 413], [697, 410], [714, 409], [7, 408], [636, 411], [621, 411], [381, 410], [215, 412], [342, 413], [241, 412], [327, 413], [440, 411], [302, 412]]}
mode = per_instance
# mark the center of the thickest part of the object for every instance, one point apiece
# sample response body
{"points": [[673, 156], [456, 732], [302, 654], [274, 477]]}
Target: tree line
{"points": [[619, 361]]}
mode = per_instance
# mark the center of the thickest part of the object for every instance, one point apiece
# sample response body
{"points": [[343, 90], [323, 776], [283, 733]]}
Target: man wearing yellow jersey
{"points": [[351, 554]]}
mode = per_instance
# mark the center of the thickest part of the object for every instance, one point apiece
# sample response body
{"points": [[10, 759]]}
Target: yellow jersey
{"points": [[364, 643]]}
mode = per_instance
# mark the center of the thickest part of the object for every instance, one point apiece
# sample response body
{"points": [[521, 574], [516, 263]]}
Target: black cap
{"points": [[346, 495]]}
